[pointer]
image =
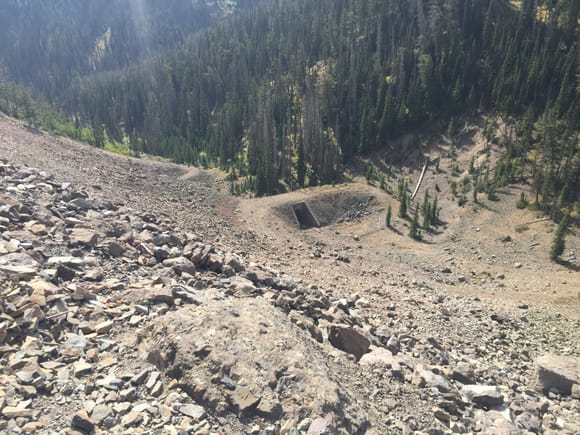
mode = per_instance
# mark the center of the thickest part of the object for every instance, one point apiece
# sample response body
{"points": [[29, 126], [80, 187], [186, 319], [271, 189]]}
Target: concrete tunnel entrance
{"points": [[304, 216]]}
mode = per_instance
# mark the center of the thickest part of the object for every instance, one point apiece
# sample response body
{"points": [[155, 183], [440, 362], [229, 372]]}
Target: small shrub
{"points": [[453, 186], [491, 195], [462, 201], [522, 202], [522, 228]]}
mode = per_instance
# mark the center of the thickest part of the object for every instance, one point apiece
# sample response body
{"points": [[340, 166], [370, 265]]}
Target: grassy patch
{"points": [[119, 148]]}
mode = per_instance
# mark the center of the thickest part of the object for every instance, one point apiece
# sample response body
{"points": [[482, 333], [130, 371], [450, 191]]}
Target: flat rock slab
{"points": [[18, 259], [194, 411], [65, 260], [83, 237], [21, 272], [320, 426], [484, 396], [146, 295], [558, 372]]}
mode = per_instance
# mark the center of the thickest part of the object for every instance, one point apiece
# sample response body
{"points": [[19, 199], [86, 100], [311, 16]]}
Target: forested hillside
{"points": [[290, 90], [46, 44]]}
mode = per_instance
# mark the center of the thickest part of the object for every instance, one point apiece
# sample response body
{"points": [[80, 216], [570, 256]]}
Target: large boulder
{"points": [[244, 356], [348, 340], [559, 372]]}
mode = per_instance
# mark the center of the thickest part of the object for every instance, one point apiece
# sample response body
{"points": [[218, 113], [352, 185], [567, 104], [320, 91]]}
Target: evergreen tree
{"points": [[414, 228], [427, 217], [425, 207], [435, 212], [400, 188], [389, 215], [559, 243], [403, 206]]}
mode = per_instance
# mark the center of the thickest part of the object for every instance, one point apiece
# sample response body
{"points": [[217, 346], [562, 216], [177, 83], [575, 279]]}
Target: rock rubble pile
{"points": [[115, 321]]}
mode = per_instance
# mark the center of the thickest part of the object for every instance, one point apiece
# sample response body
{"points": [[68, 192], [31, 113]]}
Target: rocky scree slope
{"points": [[115, 321]]}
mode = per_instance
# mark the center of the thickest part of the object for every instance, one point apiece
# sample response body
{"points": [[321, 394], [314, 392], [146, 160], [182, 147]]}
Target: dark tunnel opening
{"points": [[304, 216]]}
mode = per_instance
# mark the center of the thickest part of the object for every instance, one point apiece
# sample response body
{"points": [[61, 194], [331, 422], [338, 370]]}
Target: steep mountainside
{"points": [[286, 93], [47, 44], [121, 313]]}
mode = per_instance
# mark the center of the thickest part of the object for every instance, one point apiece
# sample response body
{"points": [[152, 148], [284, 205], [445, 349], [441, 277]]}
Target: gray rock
{"points": [[484, 396], [321, 426], [242, 285], [80, 203], [393, 345], [95, 274], [186, 294], [128, 394], [75, 343], [104, 327], [100, 413], [23, 273], [529, 422], [82, 368], [83, 422], [463, 373], [383, 357], [82, 238], [234, 262], [558, 372], [18, 259], [194, 411], [115, 249], [244, 400], [152, 380], [349, 340], [110, 382], [16, 412], [140, 377], [424, 378], [180, 265], [65, 260]]}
